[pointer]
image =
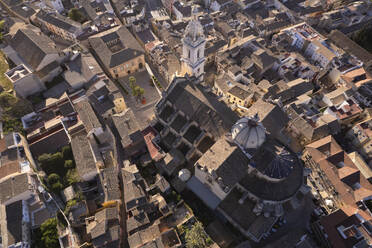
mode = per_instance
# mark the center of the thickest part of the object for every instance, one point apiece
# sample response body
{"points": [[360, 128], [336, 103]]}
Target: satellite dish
{"points": [[184, 175]]}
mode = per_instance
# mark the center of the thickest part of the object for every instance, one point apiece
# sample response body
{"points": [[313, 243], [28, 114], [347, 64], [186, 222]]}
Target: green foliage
{"points": [[364, 38], [13, 109], [61, 165], [76, 15], [69, 205], [156, 81], [49, 234], [54, 181], [61, 220], [72, 176], [138, 91], [53, 178], [132, 82], [69, 164], [4, 66], [196, 236], [7, 100], [56, 187], [67, 152], [2, 23], [11, 124], [52, 163]]}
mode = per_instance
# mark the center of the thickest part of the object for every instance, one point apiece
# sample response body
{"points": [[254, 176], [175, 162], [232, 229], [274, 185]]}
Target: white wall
{"points": [[213, 186]]}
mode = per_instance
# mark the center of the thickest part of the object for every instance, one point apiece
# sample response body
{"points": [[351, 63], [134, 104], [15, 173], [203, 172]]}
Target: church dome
{"points": [[194, 30], [249, 133]]}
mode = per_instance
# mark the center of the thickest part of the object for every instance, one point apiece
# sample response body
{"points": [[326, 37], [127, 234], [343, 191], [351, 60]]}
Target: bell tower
{"points": [[193, 57]]}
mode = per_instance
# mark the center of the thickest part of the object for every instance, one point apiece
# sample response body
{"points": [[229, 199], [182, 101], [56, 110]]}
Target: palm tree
{"points": [[138, 92], [132, 82]]}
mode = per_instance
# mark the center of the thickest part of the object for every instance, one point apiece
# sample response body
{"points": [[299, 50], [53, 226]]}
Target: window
{"points": [[115, 71], [122, 68], [189, 54], [198, 53]]}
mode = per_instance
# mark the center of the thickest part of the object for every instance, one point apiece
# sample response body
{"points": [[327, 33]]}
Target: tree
{"points": [[52, 163], [69, 164], [56, 187], [72, 176], [67, 152], [138, 92], [53, 178], [49, 233], [132, 82], [196, 237], [364, 38], [76, 15], [2, 23]]}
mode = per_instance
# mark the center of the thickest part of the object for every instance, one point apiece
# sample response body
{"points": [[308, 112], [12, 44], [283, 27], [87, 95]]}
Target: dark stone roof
{"points": [[243, 214], [82, 152], [271, 115], [239, 92], [200, 106], [227, 160], [110, 184], [348, 45], [13, 186], [50, 144], [14, 222], [185, 10], [133, 185], [12, 2], [111, 58], [137, 221], [106, 228], [43, 72], [87, 115], [59, 21], [32, 47], [274, 160], [128, 128], [24, 10]]}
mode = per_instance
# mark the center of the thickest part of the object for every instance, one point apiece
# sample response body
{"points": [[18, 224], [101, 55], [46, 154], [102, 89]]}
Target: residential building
{"points": [[217, 5], [118, 51], [335, 180], [347, 227], [132, 139], [15, 155], [360, 137], [17, 187], [36, 59], [181, 11], [47, 127], [104, 228], [17, 231], [59, 25]]}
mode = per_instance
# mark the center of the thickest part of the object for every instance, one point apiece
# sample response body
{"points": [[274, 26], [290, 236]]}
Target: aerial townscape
{"points": [[186, 123]]}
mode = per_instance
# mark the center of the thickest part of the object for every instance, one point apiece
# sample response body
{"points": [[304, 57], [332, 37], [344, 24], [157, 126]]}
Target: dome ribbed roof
{"points": [[249, 133]]}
